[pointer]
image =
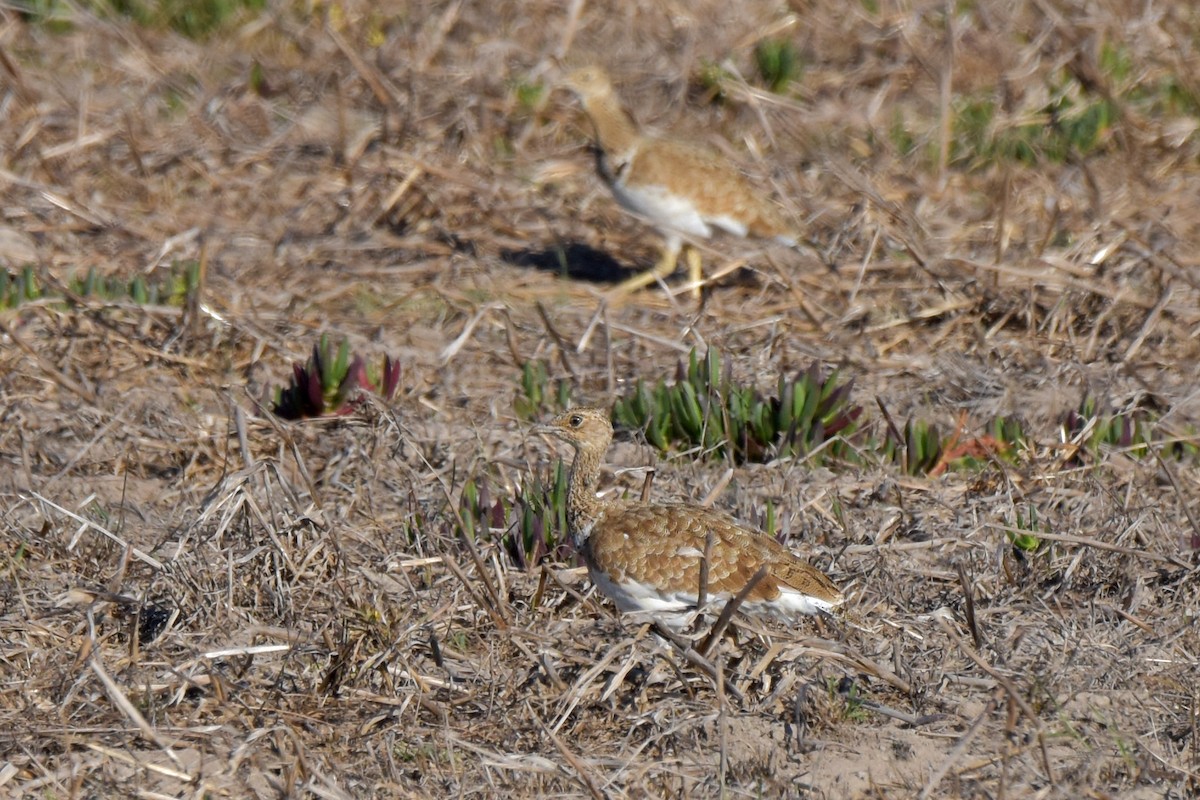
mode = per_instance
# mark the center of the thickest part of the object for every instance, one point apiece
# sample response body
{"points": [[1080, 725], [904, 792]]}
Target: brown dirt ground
{"points": [[330, 636]]}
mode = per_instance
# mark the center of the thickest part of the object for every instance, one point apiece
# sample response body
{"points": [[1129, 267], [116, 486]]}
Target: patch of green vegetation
{"points": [[172, 287], [847, 689], [1116, 62], [415, 521], [376, 28], [18, 559], [54, 16], [195, 19], [901, 135], [1178, 97], [1132, 431], [529, 95], [1076, 121], [812, 416], [101, 513], [421, 753], [368, 299], [778, 63], [503, 148], [1071, 124], [532, 527], [1024, 533], [769, 521], [712, 80], [175, 102], [539, 393], [20, 288], [705, 408], [1092, 430], [1077, 126], [1166, 95], [257, 80], [331, 383], [975, 138], [919, 449], [1184, 446]]}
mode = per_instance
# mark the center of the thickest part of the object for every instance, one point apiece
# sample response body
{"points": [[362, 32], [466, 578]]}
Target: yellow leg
{"points": [[695, 276], [664, 267]]}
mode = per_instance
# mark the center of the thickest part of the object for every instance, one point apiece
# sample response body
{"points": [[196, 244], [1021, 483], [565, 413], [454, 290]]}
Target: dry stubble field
{"points": [[200, 600]]}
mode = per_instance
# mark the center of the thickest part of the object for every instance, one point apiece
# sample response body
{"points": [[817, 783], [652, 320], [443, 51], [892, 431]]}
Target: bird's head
{"points": [[582, 428], [588, 82]]}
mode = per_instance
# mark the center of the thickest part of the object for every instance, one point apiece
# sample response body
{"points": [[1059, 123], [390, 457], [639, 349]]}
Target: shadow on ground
{"points": [[572, 260]]}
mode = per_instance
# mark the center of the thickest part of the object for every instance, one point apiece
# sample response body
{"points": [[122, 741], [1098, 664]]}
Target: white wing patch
{"points": [[729, 225], [674, 607], [791, 602], [662, 209], [636, 596]]}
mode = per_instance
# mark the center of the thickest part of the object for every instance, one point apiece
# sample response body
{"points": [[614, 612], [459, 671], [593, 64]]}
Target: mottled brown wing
{"points": [[716, 187], [663, 545], [791, 570]]}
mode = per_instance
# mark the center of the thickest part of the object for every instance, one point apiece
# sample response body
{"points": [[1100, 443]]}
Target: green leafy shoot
{"points": [[171, 287], [195, 19], [777, 62], [1024, 536], [712, 82], [1092, 430], [704, 408], [531, 527], [529, 95], [538, 393], [20, 288]]}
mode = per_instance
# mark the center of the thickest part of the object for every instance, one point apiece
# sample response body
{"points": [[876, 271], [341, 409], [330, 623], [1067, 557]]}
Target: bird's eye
{"points": [[576, 420]]}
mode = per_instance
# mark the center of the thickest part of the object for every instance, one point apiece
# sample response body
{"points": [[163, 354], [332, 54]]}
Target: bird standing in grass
{"points": [[682, 189], [648, 556]]}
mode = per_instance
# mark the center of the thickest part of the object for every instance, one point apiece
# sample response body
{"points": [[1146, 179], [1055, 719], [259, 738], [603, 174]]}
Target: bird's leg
{"points": [[664, 267], [695, 276]]}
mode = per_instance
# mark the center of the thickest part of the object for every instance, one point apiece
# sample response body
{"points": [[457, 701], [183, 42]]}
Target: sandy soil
{"points": [[201, 600]]}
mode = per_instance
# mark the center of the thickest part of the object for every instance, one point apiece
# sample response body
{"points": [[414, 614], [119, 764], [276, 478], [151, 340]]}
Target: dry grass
{"points": [[198, 600]]}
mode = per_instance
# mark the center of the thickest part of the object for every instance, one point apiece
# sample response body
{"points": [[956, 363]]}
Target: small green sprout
{"points": [[777, 62], [1027, 540]]}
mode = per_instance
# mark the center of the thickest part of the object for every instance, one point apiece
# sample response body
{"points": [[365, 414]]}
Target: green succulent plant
{"points": [[168, 287], [20, 288], [1126, 429], [811, 415], [539, 394], [1024, 531], [705, 408], [778, 63], [330, 384], [532, 527], [922, 447], [195, 19]]}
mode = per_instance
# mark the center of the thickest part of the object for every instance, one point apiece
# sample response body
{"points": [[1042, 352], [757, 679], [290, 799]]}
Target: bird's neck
{"points": [[583, 507], [616, 132]]}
